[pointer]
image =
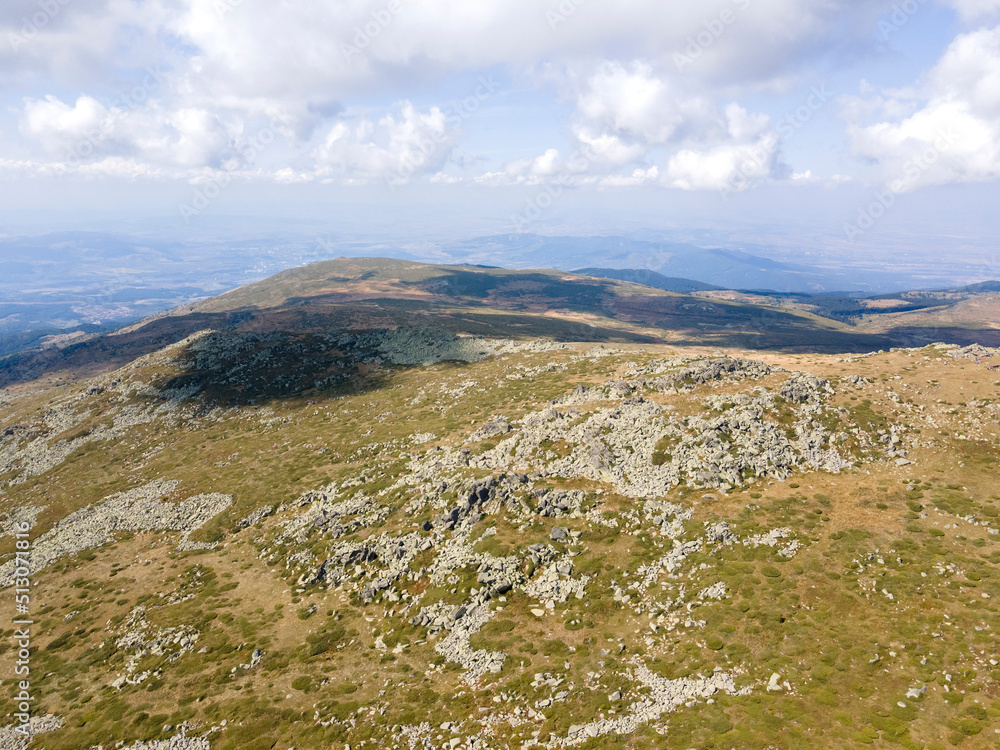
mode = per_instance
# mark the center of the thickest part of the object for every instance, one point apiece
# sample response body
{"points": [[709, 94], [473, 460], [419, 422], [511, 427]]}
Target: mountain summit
{"points": [[380, 502]]}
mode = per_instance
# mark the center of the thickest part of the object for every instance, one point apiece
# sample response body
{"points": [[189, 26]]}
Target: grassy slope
{"points": [[818, 622], [360, 294]]}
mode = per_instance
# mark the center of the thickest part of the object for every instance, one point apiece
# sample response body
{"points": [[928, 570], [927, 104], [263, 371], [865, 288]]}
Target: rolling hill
{"points": [[373, 502], [648, 278]]}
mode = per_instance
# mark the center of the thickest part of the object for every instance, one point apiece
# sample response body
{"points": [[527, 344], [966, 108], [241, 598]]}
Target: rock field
{"points": [[620, 540]]}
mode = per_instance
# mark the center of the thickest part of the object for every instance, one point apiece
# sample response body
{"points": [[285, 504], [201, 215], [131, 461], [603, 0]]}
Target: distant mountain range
{"points": [[985, 286], [720, 267], [88, 281], [361, 294]]}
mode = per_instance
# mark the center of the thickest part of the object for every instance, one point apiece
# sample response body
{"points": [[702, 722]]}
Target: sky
{"points": [[850, 119]]}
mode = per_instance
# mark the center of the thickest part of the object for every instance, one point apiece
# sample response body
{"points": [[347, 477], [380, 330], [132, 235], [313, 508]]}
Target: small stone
{"points": [[915, 693]]}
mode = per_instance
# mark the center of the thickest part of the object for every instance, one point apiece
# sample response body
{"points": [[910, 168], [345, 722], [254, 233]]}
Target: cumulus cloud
{"points": [[90, 137], [628, 116], [728, 167], [394, 149], [622, 111], [647, 84], [630, 101], [84, 42], [273, 49], [948, 131], [750, 154], [298, 53], [638, 177], [89, 130]]}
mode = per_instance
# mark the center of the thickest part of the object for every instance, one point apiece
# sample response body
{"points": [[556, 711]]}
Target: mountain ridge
{"points": [[502, 509]]}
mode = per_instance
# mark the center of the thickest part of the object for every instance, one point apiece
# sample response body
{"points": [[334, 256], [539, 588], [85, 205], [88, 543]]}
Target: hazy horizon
{"points": [[839, 147], [842, 122]]}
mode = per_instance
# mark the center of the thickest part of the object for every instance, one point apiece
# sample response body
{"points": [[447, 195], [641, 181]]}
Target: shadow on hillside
{"points": [[917, 336], [243, 368], [285, 345], [105, 352], [287, 351], [577, 294]]}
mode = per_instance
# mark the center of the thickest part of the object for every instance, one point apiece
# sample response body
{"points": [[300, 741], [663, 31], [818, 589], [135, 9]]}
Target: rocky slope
{"points": [[418, 539]]}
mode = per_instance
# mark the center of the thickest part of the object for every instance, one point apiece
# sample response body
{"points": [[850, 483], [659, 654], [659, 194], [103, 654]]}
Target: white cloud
{"points": [[81, 41], [392, 149], [974, 10], [630, 101], [299, 54], [638, 177], [950, 131], [354, 148], [728, 168], [88, 137], [59, 126], [89, 130], [748, 155], [300, 49], [627, 116], [637, 114]]}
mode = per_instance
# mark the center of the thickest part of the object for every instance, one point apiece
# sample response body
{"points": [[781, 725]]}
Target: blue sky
{"points": [[509, 112]]}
